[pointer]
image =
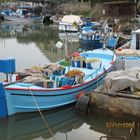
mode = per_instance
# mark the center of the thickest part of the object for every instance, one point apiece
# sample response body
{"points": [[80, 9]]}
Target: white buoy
{"points": [[59, 44]]}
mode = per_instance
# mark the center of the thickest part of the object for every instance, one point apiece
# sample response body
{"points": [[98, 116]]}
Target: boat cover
{"points": [[71, 19], [122, 79]]}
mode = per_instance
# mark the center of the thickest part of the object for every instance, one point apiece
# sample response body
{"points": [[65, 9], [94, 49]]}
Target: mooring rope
{"points": [[45, 122]]}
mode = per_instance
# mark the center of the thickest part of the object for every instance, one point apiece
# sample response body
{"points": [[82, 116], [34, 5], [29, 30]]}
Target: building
{"points": [[119, 8]]}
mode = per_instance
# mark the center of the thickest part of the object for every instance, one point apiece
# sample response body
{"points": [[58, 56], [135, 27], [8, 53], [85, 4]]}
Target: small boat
{"points": [[67, 23], [61, 83], [131, 49], [21, 15], [96, 34]]}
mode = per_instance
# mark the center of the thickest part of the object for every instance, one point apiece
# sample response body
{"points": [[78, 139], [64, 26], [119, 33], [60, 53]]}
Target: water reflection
{"points": [[64, 123], [21, 41], [29, 126], [14, 29]]}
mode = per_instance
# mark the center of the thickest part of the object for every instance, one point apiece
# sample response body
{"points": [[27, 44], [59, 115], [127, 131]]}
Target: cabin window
{"points": [[137, 41]]}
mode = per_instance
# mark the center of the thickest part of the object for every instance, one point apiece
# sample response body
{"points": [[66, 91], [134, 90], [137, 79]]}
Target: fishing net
{"points": [[128, 52], [74, 72]]}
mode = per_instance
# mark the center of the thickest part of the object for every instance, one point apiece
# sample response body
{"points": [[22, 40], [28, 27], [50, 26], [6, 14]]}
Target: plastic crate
{"points": [[7, 66]]}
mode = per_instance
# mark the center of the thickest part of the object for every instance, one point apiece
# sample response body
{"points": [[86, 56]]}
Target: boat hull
{"points": [[67, 27], [97, 43], [29, 100], [22, 19]]}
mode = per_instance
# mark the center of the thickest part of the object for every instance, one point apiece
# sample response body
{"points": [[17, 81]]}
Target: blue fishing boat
{"points": [[83, 72], [96, 34], [95, 40], [21, 15]]}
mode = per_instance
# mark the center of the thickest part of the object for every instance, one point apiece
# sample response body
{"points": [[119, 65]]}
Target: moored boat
{"points": [[67, 23], [84, 72], [96, 35], [130, 51], [21, 15]]}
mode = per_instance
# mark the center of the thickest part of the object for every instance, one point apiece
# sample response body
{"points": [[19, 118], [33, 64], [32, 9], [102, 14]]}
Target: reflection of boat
{"points": [[70, 37], [14, 28], [63, 84], [64, 121], [29, 126]]}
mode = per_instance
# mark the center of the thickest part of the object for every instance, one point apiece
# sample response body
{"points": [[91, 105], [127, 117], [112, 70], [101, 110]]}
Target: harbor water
{"points": [[35, 45]]}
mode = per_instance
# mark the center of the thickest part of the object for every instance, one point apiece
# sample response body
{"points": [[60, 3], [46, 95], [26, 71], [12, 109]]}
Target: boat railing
{"points": [[91, 74]]}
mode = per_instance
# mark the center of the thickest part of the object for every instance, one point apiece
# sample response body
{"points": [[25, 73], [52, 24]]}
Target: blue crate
{"points": [[78, 64], [89, 65], [7, 66]]}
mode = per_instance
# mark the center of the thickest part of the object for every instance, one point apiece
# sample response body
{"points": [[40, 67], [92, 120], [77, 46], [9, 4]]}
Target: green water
{"points": [[35, 44]]}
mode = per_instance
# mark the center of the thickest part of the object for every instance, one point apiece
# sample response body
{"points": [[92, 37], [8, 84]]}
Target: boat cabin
{"points": [[135, 43]]}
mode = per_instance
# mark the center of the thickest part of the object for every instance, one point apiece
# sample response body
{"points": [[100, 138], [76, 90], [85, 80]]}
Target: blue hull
{"points": [[25, 100], [96, 44]]}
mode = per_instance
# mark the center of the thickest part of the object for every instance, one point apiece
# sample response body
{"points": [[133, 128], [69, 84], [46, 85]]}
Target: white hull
{"points": [[67, 27], [22, 19]]}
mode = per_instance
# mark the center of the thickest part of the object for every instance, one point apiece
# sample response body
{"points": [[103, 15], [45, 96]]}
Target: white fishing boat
{"points": [[67, 23]]}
